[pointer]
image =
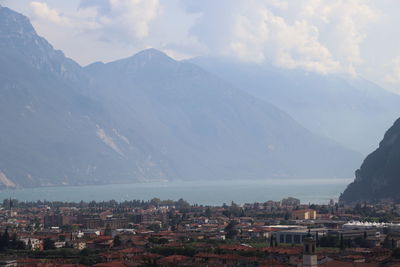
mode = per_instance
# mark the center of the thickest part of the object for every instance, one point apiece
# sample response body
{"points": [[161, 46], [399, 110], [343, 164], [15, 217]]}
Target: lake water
{"points": [[316, 191]]}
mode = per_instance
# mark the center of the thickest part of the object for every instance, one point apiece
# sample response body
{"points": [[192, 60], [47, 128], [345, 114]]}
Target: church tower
{"points": [[309, 256]]}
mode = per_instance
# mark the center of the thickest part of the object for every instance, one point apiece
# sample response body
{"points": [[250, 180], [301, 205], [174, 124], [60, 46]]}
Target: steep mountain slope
{"points": [[208, 128], [51, 133], [147, 117], [352, 111], [379, 176]]}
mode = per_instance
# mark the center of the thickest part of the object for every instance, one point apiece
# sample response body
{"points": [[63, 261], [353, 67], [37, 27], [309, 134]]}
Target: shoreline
{"points": [[216, 192]]}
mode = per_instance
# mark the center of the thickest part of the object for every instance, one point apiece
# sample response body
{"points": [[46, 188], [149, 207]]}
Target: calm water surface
{"points": [[207, 193]]}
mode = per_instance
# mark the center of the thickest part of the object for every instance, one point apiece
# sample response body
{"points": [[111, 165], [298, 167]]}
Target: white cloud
{"points": [[117, 29], [125, 20], [348, 36], [316, 35], [323, 36], [344, 24], [79, 21], [249, 38], [394, 75], [42, 11], [264, 36], [131, 18], [279, 4]]}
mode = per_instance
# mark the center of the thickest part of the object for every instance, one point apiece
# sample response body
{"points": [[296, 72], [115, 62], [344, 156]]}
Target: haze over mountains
{"points": [[147, 117], [352, 111]]}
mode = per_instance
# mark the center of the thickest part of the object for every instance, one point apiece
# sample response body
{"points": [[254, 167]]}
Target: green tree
{"points": [[5, 240], [182, 205], [328, 241], [108, 231], [396, 253], [159, 241], [155, 201], [48, 244], [208, 212], [271, 241], [117, 241], [154, 227], [231, 231], [342, 246], [15, 243]]}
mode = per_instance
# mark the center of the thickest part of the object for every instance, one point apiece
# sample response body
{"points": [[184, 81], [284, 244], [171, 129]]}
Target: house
{"points": [[227, 260], [306, 214], [32, 243], [297, 236], [79, 244], [101, 242], [59, 244], [112, 264], [173, 261]]}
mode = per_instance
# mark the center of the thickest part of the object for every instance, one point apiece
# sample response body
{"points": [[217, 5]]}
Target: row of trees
{"points": [[180, 204], [7, 242]]}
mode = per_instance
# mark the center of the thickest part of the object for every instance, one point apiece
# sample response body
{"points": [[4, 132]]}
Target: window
{"points": [[288, 238], [281, 238], [297, 239]]}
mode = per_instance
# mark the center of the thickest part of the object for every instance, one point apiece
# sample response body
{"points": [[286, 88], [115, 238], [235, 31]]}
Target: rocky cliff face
{"points": [[379, 176]]}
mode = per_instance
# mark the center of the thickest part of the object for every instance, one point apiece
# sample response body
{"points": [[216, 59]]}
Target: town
{"points": [[176, 233]]}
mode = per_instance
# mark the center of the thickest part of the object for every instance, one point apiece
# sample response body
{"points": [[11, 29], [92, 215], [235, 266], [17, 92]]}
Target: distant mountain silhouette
{"points": [[352, 111], [147, 117], [379, 176], [51, 133]]}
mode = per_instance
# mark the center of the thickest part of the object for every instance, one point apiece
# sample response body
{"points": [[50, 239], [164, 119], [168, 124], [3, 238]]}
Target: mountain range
{"points": [[350, 110], [144, 118]]}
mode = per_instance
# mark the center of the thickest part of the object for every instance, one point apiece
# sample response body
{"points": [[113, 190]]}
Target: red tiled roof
{"points": [[201, 245], [70, 265], [152, 255], [283, 250], [324, 251], [237, 248], [303, 210], [273, 263], [347, 264], [173, 259], [354, 257], [219, 256], [131, 250], [28, 260], [111, 264], [272, 229]]}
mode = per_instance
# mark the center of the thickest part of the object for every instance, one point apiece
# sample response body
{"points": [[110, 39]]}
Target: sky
{"points": [[360, 38]]}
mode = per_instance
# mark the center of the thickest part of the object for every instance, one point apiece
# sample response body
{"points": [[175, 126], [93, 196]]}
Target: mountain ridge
{"points": [[175, 74], [352, 111], [146, 117]]}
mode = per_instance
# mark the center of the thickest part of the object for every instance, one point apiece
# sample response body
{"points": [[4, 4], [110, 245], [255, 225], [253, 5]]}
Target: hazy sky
{"points": [[359, 37]]}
